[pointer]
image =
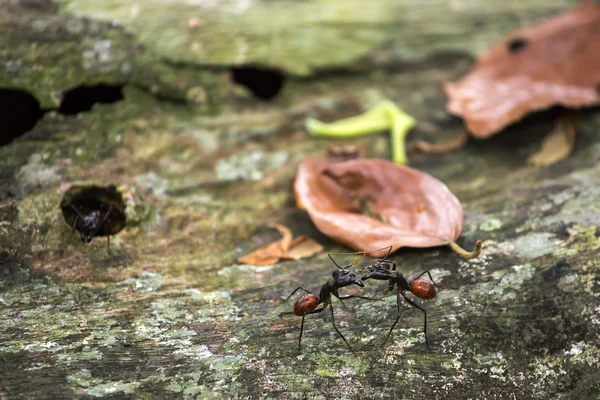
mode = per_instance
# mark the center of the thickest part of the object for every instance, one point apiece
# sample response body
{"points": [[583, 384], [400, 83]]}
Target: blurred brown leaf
{"points": [[558, 144], [552, 62], [302, 247]]}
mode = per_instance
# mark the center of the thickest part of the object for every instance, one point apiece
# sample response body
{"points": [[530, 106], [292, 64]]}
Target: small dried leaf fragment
{"points": [[405, 207], [455, 143], [302, 247], [286, 247], [552, 62], [558, 144], [272, 252]]}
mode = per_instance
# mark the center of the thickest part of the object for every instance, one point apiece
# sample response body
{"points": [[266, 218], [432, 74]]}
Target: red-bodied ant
{"points": [[385, 270], [308, 303]]}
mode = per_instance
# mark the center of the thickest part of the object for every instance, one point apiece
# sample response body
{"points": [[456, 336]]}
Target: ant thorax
{"points": [[92, 219], [326, 290], [402, 282]]}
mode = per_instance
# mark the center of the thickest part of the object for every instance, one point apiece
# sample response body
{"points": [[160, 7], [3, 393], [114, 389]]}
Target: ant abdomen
{"points": [[306, 303], [423, 289]]}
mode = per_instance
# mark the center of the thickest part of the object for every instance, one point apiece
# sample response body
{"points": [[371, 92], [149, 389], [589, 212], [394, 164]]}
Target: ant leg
{"points": [[76, 210], [295, 290], [300, 337], [104, 219], [412, 303], [340, 333], [73, 231], [423, 273], [358, 297], [108, 243], [302, 326], [396, 321]]}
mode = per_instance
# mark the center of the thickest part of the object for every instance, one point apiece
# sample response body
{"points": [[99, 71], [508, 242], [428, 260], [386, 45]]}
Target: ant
{"points": [[93, 211], [386, 270], [92, 224], [308, 303]]}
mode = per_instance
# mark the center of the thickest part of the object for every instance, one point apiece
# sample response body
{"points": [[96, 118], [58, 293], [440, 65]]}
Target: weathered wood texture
{"points": [[169, 313]]}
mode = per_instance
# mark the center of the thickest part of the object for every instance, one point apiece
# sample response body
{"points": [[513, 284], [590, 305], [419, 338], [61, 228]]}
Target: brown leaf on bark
{"points": [[370, 204], [552, 62], [302, 247], [295, 249], [558, 144], [457, 142]]}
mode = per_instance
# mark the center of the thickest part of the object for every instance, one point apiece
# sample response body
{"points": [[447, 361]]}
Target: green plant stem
{"points": [[385, 116]]}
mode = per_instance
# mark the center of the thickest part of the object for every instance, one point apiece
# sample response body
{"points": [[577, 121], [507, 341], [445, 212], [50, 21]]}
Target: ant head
{"points": [[344, 277], [86, 237]]}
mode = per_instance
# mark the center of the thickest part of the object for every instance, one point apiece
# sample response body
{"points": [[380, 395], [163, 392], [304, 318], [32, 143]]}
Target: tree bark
{"points": [[169, 313]]}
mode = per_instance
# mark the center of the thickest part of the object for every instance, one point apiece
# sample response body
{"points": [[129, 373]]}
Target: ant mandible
{"points": [[308, 303], [385, 270]]}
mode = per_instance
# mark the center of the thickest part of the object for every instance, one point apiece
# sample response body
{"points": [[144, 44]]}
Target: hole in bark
{"points": [[264, 83], [82, 98], [19, 112], [516, 45], [94, 211]]}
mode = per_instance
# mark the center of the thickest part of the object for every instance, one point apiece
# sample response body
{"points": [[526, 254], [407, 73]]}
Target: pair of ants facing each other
{"points": [[382, 269]]}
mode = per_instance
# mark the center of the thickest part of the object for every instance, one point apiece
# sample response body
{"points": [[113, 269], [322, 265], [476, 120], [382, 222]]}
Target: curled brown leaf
{"points": [[370, 204], [286, 247]]}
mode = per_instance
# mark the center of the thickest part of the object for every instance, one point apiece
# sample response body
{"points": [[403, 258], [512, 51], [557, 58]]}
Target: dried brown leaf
{"points": [[456, 142], [266, 255], [286, 234], [302, 247], [286, 247], [557, 145], [411, 208], [552, 62]]}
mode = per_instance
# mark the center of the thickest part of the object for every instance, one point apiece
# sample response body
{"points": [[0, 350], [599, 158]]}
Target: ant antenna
{"points": [[364, 253], [345, 266], [384, 259], [387, 254]]}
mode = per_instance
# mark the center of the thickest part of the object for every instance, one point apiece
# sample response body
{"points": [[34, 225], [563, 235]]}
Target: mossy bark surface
{"points": [[169, 313]]}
